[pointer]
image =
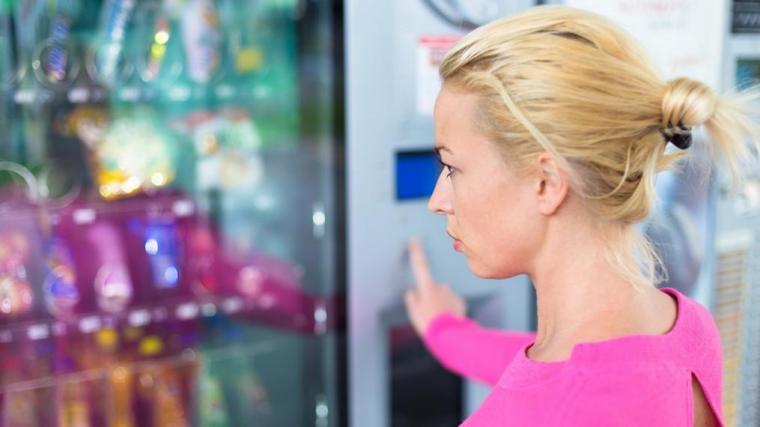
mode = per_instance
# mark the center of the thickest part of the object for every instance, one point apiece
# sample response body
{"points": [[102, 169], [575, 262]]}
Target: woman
{"points": [[551, 126]]}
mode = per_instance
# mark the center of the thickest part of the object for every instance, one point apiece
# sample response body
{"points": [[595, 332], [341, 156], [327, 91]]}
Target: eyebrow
{"points": [[439, 148]]}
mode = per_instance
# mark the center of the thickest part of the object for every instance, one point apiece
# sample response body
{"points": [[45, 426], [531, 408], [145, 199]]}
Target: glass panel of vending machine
{"points": [[169, 213]]}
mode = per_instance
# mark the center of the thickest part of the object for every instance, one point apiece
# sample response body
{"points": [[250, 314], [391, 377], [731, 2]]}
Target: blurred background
{"points": [[204, 206]]}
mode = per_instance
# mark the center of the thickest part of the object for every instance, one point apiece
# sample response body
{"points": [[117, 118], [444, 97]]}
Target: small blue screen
{"points": [[416, 174]]}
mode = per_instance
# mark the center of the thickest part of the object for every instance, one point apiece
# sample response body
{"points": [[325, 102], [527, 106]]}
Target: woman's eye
{"points": [[449, 169]]}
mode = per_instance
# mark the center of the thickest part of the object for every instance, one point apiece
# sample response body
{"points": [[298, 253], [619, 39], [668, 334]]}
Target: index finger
{"points": [[419, 265]]}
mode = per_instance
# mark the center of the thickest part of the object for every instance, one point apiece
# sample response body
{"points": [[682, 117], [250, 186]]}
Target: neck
{"points": [[580, 297]]}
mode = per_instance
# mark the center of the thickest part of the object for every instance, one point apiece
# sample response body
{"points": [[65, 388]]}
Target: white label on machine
{"points": [[683, 37], [430, 53]]}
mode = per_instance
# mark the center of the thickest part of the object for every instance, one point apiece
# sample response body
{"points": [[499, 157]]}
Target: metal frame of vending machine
{"points": [[392, 52]]}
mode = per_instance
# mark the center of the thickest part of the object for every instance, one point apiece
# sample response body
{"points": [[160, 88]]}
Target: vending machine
{"points": [[205, 205], [170, 210], [737, 239]]}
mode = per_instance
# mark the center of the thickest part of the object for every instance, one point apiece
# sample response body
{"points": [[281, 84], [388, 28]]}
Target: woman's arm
{"points": [[460, 344], [468, 349]]}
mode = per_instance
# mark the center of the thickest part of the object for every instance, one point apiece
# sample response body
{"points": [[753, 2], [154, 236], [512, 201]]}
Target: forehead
{"points": [[455, 117], [458, 134], [453, 102]]}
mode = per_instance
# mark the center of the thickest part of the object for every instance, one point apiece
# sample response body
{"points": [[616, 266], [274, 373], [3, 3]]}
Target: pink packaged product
{"points": [[60, 286], [155, 242], [271, 288], [201, 259], [112, 281], [16, 295], [155, 254], [20, 258], [95, 248]]}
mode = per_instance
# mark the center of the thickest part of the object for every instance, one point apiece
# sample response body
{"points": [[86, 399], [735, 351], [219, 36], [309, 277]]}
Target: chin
{"points": [[487, 272]]}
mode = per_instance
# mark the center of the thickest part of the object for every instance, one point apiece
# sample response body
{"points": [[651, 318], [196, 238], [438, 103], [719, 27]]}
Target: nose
{"points": [[440, 200]]}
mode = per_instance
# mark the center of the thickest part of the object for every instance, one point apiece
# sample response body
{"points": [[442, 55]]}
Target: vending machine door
{"points": [[171, 213]]}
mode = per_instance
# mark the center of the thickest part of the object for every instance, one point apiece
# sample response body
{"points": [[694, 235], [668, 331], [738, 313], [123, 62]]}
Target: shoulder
{"points": [[699, 335], [652, 393]]}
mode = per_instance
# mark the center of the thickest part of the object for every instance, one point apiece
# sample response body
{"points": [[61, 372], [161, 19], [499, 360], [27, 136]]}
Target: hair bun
{"points": [[687, 103]]}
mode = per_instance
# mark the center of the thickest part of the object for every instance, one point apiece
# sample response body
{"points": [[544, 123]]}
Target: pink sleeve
{"points": [[466, 348]]}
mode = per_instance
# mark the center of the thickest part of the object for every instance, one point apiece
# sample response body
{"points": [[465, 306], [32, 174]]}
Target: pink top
{"points": [[636, 380]]}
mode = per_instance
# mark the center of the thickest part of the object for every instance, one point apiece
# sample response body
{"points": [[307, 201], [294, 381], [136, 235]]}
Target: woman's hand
{"points": [[428, 299]]}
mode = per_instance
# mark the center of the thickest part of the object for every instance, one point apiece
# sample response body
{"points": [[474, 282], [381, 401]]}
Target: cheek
{"points": [[499, 231], [488, 211]]}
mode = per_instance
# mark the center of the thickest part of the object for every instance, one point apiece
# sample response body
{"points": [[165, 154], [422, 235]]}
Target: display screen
{"points": [[747, 72], [416, 174]]}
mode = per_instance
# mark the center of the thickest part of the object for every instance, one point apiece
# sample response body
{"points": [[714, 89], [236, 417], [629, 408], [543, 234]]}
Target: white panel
{"points": [[683, 38]]}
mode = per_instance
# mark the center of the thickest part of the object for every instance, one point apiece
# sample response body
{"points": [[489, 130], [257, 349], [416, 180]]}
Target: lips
{"points": [[457, 242]]}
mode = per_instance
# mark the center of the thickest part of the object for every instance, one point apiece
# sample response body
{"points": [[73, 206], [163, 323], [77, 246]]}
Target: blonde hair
{"points": [[571, 83]]}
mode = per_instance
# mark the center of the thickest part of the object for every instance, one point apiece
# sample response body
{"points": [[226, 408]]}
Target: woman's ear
{"points": [[552, 184]]}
